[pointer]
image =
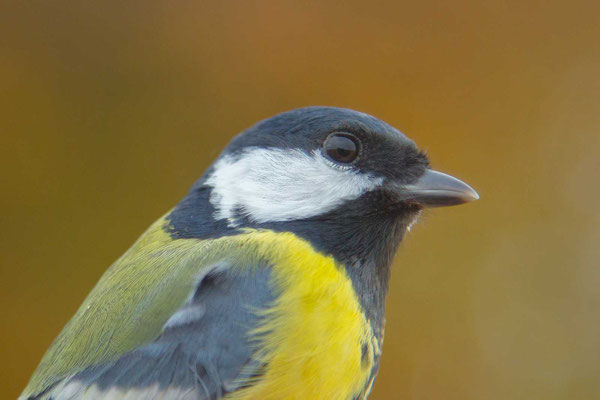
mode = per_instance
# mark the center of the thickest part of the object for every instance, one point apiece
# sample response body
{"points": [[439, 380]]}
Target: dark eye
{"points": [[342, 147]]}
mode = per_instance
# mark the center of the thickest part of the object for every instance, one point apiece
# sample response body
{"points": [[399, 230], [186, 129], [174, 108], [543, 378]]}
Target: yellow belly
{"points": [[317, 343]]}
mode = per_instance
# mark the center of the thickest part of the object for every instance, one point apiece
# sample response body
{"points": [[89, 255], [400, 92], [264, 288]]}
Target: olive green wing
{"points": [[167, 320]]}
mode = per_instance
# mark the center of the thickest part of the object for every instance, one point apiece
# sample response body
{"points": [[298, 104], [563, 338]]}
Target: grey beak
{"points": [[436, 189]]}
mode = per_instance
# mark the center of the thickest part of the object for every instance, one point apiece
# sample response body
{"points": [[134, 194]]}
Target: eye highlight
{"points": [[342, 147]]}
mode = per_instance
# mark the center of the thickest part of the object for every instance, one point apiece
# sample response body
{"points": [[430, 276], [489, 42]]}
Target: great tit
{"points": [[267, 281]]}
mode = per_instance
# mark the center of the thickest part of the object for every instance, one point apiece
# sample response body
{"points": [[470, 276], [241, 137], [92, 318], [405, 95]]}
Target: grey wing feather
{"points": [[202, 352]]}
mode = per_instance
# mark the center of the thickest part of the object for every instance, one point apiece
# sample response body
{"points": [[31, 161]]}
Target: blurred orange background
{"points": [[109, 112]]}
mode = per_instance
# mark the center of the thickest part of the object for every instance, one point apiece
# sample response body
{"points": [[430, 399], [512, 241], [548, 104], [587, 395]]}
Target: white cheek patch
{"points": [[282, 184]]}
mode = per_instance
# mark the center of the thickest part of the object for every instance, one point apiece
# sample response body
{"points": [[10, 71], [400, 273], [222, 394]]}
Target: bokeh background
{"points": [[110, 110]]}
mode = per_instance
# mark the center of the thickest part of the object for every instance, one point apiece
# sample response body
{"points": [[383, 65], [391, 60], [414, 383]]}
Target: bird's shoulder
{"points": [[158, 304]]}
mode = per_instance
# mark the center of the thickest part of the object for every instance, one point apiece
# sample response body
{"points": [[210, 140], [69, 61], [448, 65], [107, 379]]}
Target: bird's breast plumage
{"points": [[315, 341]]}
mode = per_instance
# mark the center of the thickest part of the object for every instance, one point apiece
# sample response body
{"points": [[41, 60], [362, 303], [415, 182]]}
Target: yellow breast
{"points": [[315, 342]]}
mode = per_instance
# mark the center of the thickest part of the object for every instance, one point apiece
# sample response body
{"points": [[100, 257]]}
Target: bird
{"points": [[266, 281]]}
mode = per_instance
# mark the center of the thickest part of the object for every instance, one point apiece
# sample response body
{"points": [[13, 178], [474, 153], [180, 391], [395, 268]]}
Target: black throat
{"points": [[364, 243]]}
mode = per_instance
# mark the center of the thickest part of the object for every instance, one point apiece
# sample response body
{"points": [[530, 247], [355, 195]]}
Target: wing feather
{"points": [[168, 320]]}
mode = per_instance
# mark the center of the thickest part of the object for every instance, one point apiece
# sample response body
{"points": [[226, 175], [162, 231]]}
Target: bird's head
{"points": [[310, 162], [332, 175]]}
